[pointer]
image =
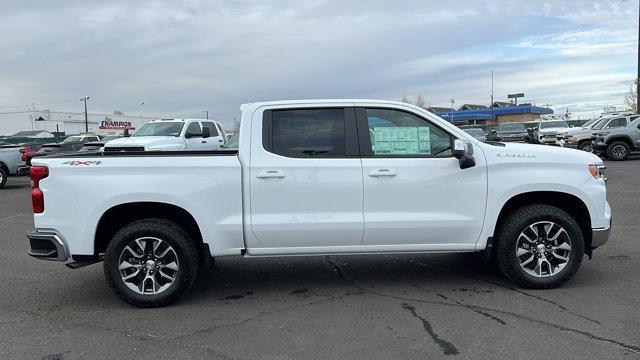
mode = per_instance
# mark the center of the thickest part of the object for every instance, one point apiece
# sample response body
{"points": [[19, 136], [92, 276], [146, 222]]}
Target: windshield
{"points": [[600, 124], [474, 132], [552, 124], [589, 123], [160, 129], [511, 127], [73, 139], [233, 143]]}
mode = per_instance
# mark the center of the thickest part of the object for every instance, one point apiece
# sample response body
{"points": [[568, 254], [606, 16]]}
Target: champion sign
{"points": [[109, 124]]}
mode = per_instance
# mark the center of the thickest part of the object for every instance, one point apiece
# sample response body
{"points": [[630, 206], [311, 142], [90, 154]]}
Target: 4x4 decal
{"points": [[82, 163]]}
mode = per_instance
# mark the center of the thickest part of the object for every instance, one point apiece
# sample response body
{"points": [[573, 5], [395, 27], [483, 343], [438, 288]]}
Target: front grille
{"points": [[123, 148]]}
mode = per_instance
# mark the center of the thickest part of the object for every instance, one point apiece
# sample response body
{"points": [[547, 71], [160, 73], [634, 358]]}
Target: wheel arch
{"points": [[624, 138], [123, 214], [569, 203]]}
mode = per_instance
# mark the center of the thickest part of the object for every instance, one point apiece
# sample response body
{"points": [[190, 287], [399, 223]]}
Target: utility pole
{"points": [[206, 112], [638, 77], [86, 117], [491, 96]]}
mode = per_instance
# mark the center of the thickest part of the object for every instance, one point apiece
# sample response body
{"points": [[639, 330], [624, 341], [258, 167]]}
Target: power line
{"points": [[38, 103]]}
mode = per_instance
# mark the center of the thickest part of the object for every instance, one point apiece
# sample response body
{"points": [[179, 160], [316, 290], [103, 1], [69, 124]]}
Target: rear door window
{"points": [[213, 130], [307, 132]]}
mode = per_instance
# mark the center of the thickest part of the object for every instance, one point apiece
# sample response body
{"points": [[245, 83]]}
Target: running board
{"points": [[80, 264]]}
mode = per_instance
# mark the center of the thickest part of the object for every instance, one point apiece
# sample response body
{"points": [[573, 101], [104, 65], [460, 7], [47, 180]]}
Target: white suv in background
{"points": [[172, 135]]}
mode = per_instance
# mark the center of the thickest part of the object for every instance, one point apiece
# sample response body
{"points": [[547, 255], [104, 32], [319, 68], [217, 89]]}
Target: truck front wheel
{"points": [[539, 246], [151, 262]]}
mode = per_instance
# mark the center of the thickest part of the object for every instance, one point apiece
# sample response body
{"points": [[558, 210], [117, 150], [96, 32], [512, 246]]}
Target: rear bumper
{"points": [[47, 245], [24, 170]]}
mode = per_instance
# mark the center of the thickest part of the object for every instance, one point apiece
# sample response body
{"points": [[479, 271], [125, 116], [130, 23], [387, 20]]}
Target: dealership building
{"points": [[498, 112], [71, 123]]}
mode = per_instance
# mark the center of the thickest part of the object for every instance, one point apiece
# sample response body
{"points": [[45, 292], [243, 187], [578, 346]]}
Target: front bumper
{"points": [[47, 245], [599, 237]]}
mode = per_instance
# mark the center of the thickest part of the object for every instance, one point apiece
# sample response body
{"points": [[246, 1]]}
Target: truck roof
{"points": [[180, 120], [319, 101]]}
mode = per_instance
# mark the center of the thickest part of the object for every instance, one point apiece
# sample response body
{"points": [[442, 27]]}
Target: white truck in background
{"points": [[172, 135], [320, 177]]}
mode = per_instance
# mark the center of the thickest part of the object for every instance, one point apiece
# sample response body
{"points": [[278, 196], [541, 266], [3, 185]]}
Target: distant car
{"points": [[508, 132], [581, 139], [233, 143], [618, 143], [548, 131], [476, 133], [58, 148], [10, 161], [94, 146], [82, 138]]}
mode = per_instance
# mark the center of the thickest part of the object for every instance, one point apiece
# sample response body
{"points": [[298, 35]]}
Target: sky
{"points": [[182, 57]]}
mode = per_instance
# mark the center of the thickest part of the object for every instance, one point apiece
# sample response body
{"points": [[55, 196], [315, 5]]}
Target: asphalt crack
{"points": [[446, 347], [628, 347], [558, 305]]}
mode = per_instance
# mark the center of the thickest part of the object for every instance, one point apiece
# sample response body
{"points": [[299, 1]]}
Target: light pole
{"points": [[452, 104], [638, 78], [86, 117], [206, 112]]}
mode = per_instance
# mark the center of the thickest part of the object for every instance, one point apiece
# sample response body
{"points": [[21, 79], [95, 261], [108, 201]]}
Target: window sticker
{"points": [[401, 141]]}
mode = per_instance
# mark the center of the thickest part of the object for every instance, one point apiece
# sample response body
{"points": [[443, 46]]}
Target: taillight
{"points": [[24, 154], [37, 197]]}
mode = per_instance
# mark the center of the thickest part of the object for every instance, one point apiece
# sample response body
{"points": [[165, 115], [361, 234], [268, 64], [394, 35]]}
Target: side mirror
{"points": [[192, 135], [206, 132], [463, 151]]}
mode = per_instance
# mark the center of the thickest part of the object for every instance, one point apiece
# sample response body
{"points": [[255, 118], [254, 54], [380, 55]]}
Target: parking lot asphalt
{"points": [[358, 307]]}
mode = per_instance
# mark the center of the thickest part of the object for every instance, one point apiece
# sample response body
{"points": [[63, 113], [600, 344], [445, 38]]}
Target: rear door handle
{"points": [[382, 172], [271, 174]]}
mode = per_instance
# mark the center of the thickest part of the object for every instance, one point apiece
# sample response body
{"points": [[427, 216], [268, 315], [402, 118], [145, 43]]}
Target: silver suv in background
{"points": [[581, 139], [618, 143]]}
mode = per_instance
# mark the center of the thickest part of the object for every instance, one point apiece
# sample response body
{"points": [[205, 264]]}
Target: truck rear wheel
{"points": [[539, 246], [3, 177], [151, 263], [618, 150]]}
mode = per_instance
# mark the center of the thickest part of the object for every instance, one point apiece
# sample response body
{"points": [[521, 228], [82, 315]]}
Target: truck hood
{"points": [[578, 130], [146, 141], [530, 153], [553, 130]]}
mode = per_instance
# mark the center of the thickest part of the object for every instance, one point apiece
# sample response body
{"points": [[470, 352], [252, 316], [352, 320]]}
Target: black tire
{"points": [[618, 151], [509, 232], [585, 146], [3, 176], [169, 232]]}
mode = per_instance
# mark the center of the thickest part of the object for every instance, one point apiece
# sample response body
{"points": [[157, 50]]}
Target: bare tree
{"points": [[420, 102], [405, 99], [609, 108], [630, 100]]}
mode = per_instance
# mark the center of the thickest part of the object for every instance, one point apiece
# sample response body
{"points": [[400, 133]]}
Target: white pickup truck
{"points": [[172, 135], [317, 178]]}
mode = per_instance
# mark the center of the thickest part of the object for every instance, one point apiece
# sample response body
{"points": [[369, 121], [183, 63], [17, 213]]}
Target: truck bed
{"points": [[80, 188]]}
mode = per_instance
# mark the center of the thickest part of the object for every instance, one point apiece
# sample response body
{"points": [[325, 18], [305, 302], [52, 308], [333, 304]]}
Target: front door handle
{"points": [[382, 172], [204, 141], [271, 174]]}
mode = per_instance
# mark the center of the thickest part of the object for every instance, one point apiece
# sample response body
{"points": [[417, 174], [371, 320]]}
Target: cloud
{"points": [[184, 56]]}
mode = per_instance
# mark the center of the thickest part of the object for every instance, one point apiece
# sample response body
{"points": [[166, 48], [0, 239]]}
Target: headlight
{"points": [[597, 171]]}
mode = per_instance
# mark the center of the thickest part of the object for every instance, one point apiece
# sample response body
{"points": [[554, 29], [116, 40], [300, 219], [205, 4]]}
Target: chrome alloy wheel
{"points": [[619, 151], [543, 249], [148, 265]]}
